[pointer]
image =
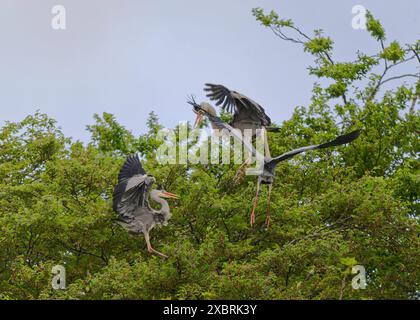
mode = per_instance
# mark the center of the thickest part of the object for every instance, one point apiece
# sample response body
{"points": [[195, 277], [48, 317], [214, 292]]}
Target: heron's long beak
{"points": [[166, 194], [198, 120]]}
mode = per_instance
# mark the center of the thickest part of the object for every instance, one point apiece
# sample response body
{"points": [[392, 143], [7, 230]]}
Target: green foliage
{"points": [[336, 90], [331, 209], [318, 45], [393, 53], [374, 26], [271, 19], [109, 136]]}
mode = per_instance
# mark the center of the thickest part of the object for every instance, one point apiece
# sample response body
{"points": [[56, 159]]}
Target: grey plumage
{"points": [[130, 200], [132, 188], [269, 164], [247, 114]]}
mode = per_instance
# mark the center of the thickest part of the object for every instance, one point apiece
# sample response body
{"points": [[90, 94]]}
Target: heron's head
{"points": [[161, 193], [201, 110]]}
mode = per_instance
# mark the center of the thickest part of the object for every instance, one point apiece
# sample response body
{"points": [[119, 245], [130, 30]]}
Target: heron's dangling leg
{"points": [[255, 203], [150, 248], [241, 170], [268, 217]]}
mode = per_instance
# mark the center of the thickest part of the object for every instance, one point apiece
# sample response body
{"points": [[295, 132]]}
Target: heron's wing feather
{"points": [[132, 166], [340, 140], [130, 194], [132, 188], [290, 154], [234, 102]]}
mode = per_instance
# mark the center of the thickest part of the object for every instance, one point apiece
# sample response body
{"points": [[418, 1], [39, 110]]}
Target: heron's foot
{"points": [[240, 173], [267, 221], [239, 176], [252, 217], [151, 250]]}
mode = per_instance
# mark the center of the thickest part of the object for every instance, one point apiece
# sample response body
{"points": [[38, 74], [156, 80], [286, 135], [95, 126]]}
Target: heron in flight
{"points": [[267, 163], [247, 114], [130, 200]]}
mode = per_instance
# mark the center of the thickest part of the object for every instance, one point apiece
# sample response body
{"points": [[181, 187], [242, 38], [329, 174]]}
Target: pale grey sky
{"points": [[130, 57]]}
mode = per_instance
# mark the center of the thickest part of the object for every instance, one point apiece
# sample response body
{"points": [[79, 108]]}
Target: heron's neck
{"points": [[210, 116], [164, 205], [214, 127]]}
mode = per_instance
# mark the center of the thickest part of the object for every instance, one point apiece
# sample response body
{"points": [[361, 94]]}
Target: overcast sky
{"points": [[129, 57]]}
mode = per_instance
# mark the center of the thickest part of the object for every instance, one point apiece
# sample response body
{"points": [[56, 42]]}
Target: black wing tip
{"points": [[131, 167], [213, 86], [208, 84], [343, 139], [208, 87], [133, 159], [133, 156], [349, 137]]}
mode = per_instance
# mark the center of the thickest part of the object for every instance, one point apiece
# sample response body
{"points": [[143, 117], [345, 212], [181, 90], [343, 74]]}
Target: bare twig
{"points": [[399, 77], [416, 54], [383, 48], [280, 34], [318, 232]]}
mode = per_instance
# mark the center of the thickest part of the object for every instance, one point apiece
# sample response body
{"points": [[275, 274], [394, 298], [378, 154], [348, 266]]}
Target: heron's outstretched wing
{"points": [[340, 140], [242, 107], [132, 188]]}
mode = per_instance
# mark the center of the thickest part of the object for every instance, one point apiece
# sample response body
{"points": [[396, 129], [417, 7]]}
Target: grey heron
{"points": [[247, 114], [130, 200], [268, 164]]}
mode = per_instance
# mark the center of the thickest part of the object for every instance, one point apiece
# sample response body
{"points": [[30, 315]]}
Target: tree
{"points": [[331, 209]]}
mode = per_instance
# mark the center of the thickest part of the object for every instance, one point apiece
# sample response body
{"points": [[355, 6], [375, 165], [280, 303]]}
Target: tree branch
{"points": [[416, 54], [401, 76]]}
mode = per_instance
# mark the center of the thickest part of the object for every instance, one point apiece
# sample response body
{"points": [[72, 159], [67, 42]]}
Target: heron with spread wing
{"points": [[268, 164], [130, 200], [247, 114]]}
